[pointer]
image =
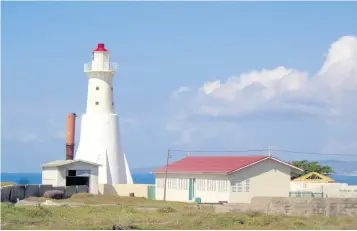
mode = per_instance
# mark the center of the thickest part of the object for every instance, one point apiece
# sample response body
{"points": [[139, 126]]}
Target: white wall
{"points": [[267, 178], [139, 190], [332, 190], [100, 85], [56, 176], [50, 176], [100, 134], [177, 194], [100, 143]]}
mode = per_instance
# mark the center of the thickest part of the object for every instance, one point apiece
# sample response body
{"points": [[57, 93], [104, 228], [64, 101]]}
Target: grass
{"points": [[107, 199], [127, 214], [2, 184]]}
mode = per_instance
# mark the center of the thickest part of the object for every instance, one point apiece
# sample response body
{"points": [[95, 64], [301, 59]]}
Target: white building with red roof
{"points": [[232, 179]]}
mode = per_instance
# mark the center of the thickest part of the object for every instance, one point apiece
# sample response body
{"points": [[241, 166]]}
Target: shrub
{"points": [[167, 209], [39, 211], [54, 194]]}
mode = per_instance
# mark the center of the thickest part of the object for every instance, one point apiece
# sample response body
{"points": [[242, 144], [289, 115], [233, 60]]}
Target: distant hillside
{"points": [[340, 167]]}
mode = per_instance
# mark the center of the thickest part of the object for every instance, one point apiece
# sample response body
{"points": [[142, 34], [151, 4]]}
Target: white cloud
{"points": [[23, 136], [28, 137], [282, 87], [328, 96], [178, 91]]}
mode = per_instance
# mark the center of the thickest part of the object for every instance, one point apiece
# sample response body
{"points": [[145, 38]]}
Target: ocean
{"points": [[138, 178], [36, 178]]}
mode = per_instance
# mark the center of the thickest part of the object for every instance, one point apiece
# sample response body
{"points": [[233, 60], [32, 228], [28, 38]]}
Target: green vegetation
{"points": [[139, 213], [2, 184], [114, 200], [312, 166]]}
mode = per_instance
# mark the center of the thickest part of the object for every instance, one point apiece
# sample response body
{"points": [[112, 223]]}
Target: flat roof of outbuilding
{"points": [[58, 163]]}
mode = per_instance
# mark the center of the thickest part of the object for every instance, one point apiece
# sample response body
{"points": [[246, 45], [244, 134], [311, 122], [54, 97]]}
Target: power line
{"points": [[262, 150], [314, 153], [207, 150]]}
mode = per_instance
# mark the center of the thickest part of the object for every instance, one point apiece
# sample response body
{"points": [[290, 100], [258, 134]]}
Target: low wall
{"points": [[14, 192], [139, 190], [296, 206], [331, 190]]}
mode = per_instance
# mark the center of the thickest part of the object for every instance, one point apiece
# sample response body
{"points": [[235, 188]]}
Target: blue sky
{"points": [[167, 52]]}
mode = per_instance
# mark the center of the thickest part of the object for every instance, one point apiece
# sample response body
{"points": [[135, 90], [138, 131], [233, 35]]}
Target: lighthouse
{"points": [[99, 140]]}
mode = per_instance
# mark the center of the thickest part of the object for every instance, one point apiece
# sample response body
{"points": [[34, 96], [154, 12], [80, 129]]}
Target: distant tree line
{"points": [[312, 166]]}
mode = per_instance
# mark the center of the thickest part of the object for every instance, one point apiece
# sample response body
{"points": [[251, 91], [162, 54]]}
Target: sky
{"points": [[192, 75]]}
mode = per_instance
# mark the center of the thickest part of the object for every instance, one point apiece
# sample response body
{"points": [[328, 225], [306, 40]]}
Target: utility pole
{"points": [[167, 166]]}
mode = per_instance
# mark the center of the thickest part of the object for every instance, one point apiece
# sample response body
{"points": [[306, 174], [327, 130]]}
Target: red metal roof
{"points": [[210, 164], [100, 48]]}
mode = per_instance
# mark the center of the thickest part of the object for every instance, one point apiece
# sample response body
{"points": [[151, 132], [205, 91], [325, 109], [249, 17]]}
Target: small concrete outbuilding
{"points": [[232, 179], [71, 173]]}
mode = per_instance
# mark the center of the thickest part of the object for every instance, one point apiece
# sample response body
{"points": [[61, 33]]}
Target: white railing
{"points": [[113, 67], [87, 67]]}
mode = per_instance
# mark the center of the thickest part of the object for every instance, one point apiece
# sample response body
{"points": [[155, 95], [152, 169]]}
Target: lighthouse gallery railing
{"points": [[113, 67]]}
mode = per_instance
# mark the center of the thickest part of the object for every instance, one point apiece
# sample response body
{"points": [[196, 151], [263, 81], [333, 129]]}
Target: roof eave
{"points": [[248, 165], [74, 161], [212, 173]]}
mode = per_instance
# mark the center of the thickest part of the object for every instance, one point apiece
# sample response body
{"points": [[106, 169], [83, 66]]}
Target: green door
{"points": [[151, 192], [191, 189]]}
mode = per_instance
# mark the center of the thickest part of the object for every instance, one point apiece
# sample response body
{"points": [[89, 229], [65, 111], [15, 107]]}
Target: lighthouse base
{"points": [[100, 143]]}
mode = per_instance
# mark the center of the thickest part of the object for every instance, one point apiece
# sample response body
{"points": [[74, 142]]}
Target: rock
{"points": [[49, 203], [121, 227], [27, 203], [44, 188], [240, 221], [54, 194]]}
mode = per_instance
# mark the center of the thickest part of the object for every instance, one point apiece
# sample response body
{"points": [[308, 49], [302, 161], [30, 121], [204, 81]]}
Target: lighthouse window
{"points": [[113, 103], [96, 103], [97, 88], [112, 88]]}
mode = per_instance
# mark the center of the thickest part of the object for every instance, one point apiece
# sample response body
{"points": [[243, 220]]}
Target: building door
{"points": [[191, 188], [151, 192]]}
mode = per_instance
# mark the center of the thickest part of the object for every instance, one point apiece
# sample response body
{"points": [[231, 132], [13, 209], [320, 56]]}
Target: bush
{"points": [[39, 211], [167, 209], [254, 214], [54, 194], [3, 184]]}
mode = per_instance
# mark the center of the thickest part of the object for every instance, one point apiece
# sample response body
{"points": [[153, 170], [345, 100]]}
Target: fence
{"points": [[294, 206], [20, 192], [306, 194]]}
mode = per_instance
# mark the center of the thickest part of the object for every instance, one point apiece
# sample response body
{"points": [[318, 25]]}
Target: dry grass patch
{"points": [[3, 184], [87, 198], [167, 217]]}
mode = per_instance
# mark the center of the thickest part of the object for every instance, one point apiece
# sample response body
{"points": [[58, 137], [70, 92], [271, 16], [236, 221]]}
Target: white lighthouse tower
{"points": [[100, 137]]}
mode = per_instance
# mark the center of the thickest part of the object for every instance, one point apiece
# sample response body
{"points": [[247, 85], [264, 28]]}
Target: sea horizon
{"points": [[36, 178], [138, 178]]}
